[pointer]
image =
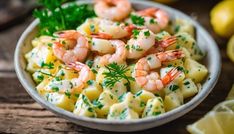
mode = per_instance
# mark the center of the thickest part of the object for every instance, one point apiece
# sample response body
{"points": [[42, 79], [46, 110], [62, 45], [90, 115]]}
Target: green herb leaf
{"points": [[116, 73], [54, 17], [137, 20]]}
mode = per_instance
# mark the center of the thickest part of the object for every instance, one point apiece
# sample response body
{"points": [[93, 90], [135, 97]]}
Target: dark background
{"points": [[20, 114]]}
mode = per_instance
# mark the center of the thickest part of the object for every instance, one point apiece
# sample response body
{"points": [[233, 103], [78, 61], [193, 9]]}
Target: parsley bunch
{"points": [[54, 17]]}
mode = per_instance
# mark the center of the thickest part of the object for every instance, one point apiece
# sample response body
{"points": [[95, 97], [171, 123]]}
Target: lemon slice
{"points": [[231, 94], [226, 106], [230, 48], [213, 123], [206, 125], [219, 121]]}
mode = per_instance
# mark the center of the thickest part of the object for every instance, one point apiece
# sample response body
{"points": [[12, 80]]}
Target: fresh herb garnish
{"points": [[137, 20], [147, 33], [68, 94], [90, 82], [49, 65], [54, 17], [135, 33], [55, 89], [116, 73], [173, 87]]}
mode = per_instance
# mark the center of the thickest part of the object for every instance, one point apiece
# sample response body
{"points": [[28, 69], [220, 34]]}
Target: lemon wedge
{"points": [[222, 18], [230, 48], [231, 94], [219, 121]]}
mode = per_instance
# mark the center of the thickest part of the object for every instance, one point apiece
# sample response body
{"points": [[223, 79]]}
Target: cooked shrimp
{"points": [[77, 53], [155, 19], [85, 74], [140, 43], [102, 46], [161, 45], [119, 56], [150, 80], [115, 10]]}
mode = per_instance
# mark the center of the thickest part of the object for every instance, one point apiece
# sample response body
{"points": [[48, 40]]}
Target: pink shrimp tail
{"points": [[168, 41], [170, 76], [148, 12], [75, 65], [68, 34], [102, 36], [170, 55]]}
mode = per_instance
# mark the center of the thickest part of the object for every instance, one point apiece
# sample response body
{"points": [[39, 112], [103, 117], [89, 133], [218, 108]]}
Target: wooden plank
{"points": [[20, 114]]}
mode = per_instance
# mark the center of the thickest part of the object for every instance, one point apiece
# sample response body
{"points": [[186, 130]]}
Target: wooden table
{"points": [[19, 113]]}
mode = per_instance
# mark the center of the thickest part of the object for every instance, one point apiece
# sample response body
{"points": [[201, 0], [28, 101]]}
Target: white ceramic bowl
{"points": [[205, 42]]}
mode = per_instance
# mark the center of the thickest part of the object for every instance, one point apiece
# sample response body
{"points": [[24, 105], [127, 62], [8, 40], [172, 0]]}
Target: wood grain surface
{"points": [[19, 113]]}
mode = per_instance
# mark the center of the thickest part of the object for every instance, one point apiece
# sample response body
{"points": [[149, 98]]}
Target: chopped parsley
{"points": [[98, 104], [49, 65], [68, 94], [92, 28], [147, 33], [90, 82], [137, 20], [94, 71], [55, 89], [50, 44], [40, 78], [173, 87], [152, 21], [89, 63], [139, 93], [156, 113], [135, 33]]}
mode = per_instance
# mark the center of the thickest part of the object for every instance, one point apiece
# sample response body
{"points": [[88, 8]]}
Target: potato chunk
{"points": [[84, 107], [196, 71], [60, 100], [188, 88], [121, 111], [172, 100], [154, 107], [104, 102]]}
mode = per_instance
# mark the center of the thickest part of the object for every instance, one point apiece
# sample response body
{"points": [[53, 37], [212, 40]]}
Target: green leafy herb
{"points": [[173, 87], [135, 33], [138, 20], [89, 63], [90, 82], [187, 83], [55, 89], [54, 17], [139, 93], [147, 33], [98, 104], [49, 65], [40, 78], [68, 94], [116, 73]]}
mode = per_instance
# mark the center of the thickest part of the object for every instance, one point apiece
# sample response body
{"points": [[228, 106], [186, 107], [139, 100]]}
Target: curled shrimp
{"points": [[161, 45], [118, 57], [155, 19], [85, 74], [138, 45], [78, 52], [115, 10], [150, 80]]}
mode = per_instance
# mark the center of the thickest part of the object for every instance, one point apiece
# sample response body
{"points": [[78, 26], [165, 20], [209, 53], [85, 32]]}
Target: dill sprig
{"points": [[116, 73]]}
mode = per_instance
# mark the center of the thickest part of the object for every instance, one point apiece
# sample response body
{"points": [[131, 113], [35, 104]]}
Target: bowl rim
{"points": [[171, 115]]}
